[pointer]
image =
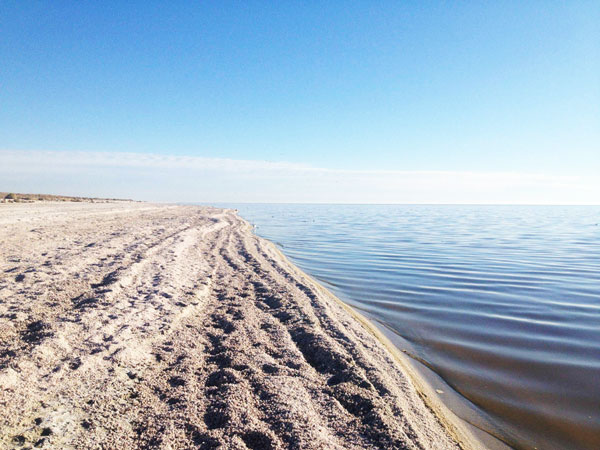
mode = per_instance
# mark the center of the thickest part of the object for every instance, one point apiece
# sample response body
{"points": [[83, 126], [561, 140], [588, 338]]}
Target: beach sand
{"points": [[133, 325]]}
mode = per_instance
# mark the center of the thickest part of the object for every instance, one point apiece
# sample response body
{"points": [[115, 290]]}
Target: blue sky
{"points": [[347, 96]]}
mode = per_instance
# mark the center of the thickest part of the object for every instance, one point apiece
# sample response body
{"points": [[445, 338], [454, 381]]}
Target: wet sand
{"points": [[131, 325]]}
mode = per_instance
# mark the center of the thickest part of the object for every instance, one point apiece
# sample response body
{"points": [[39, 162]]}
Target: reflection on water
{"points": [[503, 302]]}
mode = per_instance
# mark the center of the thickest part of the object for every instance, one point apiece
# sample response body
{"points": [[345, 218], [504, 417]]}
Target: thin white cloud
{"points": [[192, 178], [114, 159]]}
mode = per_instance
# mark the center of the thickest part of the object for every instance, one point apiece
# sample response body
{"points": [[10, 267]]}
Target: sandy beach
{"points": [[133, 325]]}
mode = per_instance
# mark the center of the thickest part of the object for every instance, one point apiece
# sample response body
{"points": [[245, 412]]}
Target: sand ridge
{"points": [[132, 325]]}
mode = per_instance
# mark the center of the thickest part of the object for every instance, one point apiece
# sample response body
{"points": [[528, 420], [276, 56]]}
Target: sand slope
{"points": [[130, 325]]}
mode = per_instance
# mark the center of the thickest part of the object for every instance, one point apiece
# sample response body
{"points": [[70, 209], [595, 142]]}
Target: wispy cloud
{"points": [[192, 178], [24, 159]]}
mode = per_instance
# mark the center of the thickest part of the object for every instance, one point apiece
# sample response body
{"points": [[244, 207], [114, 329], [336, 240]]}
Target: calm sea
{"points": [[502, 302]]}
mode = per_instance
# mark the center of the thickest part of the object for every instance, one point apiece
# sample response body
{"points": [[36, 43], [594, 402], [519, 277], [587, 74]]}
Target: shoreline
{"points": [[462, 431], [426, 381], [137, 325]]}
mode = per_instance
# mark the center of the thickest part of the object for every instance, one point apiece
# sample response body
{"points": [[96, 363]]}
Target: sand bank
{"points": [[130, 325]]}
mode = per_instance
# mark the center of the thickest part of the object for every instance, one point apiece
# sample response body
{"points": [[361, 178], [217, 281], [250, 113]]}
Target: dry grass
{"points": [[11, 197]]}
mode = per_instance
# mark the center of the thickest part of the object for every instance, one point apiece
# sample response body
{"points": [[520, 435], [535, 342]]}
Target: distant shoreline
{"points": [[14, 197]]}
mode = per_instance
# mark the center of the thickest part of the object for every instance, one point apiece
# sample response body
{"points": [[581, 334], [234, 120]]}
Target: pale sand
{"points": [[131, 325]]}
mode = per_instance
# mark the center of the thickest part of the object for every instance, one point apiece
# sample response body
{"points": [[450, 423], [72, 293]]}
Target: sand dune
{"points": [[130, 325]]}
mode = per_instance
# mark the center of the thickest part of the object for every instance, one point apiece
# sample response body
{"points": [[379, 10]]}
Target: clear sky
{"points": [[374, 101]]}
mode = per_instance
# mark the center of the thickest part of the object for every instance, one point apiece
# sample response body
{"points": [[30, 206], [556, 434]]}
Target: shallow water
{"points": [[503, 302]]}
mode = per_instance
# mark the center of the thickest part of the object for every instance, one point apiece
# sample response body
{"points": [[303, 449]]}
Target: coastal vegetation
{"points": [[11, 197]]}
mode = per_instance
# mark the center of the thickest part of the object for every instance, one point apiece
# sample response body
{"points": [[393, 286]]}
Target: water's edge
{"points": [[467, 424], [496, 306]]}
